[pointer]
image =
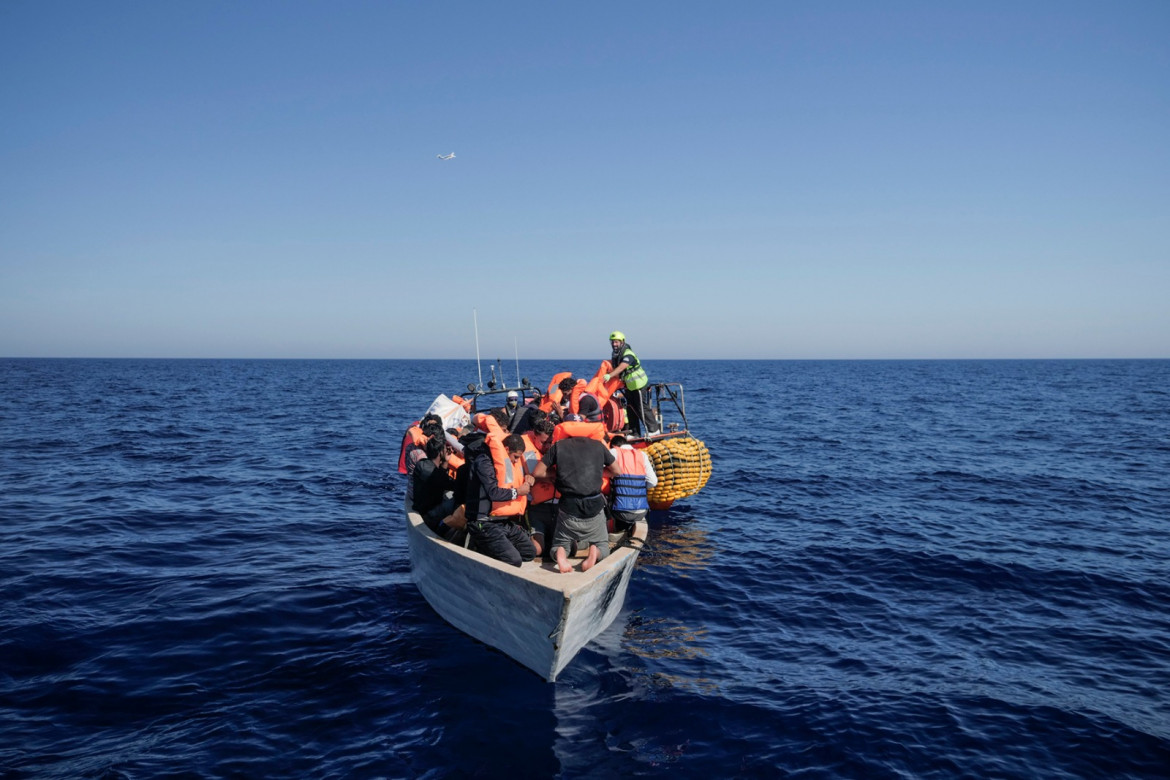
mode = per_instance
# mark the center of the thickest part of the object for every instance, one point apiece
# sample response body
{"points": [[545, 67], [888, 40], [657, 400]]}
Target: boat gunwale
{"points": [[537, 572]]}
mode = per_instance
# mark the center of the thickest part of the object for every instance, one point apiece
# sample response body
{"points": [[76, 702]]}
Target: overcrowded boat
{"points": [[535, 613]]}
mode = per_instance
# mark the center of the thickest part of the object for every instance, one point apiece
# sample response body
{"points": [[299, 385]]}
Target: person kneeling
{"points": [[578, 463]]}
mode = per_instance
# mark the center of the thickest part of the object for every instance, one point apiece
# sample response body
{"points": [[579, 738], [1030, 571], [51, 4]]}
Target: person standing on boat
{"points": [[578, 463], [627, 366], [493, 510]]}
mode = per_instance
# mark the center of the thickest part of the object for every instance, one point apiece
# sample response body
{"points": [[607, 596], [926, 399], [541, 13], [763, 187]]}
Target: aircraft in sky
{"points": [[446, 156]]}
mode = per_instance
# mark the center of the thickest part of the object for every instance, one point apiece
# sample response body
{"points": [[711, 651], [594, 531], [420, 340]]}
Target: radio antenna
{"points": [[475, 318], [516, 343]]}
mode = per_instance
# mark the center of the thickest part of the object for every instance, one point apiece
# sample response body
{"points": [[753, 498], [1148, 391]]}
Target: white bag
{"points": [[452, 414]]}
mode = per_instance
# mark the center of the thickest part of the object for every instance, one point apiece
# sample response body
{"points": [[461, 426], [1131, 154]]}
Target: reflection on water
{"points": [[663, 638], [678, 541]]}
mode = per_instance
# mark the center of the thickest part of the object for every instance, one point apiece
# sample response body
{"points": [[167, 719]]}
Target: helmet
{"points": [[617, 335]]}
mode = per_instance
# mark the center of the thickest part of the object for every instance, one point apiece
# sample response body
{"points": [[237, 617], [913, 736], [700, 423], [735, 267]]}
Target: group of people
{"points": [[541, 476]]}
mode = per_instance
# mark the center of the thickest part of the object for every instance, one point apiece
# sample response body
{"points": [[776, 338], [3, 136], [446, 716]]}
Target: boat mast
{"points": [[475, 318], [516, 344]]}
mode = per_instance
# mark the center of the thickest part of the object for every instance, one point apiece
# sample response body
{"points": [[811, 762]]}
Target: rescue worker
{"points": [[627, 366]]}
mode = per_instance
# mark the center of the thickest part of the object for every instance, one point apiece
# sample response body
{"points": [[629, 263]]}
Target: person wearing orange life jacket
{"points": [[587, 423], [578, 462], [628, 503], [542, 506], [495, 497], [434, 494], [413, 444]]}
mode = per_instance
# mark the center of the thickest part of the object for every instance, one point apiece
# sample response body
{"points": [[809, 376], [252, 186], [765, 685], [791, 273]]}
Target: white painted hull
{"points": [[533, 613]]}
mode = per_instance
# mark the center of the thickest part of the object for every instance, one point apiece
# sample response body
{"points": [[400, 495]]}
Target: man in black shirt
{"points": [[434, 496], [578, 463]]}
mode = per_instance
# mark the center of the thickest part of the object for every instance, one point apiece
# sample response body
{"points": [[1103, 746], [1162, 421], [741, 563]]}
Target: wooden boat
{"points": [[533, 613]]}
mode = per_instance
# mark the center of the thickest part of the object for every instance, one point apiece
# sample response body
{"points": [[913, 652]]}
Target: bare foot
{"points": [[563, 564], [591, 558]]}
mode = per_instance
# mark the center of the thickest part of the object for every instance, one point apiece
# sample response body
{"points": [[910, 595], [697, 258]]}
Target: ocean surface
{"points": [[898, 569]]}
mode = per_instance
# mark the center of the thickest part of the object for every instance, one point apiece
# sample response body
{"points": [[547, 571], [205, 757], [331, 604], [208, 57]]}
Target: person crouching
{"points": [[576, 464]]}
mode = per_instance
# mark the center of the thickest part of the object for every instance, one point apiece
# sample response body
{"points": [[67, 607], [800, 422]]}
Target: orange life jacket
{"points": [[414, 436], [508, 474], [589, 430], [543, 489], [553, 396]]}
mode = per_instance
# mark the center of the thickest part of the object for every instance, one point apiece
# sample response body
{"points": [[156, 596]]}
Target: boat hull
{"points": [[532, 613]]}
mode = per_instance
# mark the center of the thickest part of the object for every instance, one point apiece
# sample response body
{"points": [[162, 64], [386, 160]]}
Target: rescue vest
{"points": [[553, 396], [414, 437], [629, 487], [599, 387], [543, 489], [508, 474], [635, 376], [588, 430]]}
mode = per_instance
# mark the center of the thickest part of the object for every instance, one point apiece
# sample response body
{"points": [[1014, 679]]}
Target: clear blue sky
{"points": [[718, 180]]}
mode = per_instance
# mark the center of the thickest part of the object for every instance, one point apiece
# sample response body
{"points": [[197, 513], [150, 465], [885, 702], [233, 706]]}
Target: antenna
{"points": [[516, 344], [475, 318]]}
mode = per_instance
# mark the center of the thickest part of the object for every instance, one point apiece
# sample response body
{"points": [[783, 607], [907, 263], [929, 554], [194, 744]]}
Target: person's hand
{"points": [[531, 480], [524, 489], [605, 378]]}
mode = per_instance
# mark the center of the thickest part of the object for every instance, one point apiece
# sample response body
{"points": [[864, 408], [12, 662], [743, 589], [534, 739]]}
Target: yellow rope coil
{"points": [[683, 466]]}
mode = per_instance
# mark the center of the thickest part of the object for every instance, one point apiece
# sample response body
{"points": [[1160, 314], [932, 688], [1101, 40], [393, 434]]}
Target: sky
{"points": [[743, 180]]}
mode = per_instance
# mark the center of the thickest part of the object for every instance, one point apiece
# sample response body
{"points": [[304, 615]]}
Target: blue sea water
{"points": [[898, 569]]}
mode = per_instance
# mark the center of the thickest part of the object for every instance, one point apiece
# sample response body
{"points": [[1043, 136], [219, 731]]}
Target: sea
{"points": [[904, 569]]}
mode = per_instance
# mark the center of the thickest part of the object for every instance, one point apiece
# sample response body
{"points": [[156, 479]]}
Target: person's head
{"points": [[542, 431], [435, 447], [432, 417], [587, 407], [514, 444], [617, 441], [513, 399], [617, 339], [433, 428], [500, 416], [567, 384]]}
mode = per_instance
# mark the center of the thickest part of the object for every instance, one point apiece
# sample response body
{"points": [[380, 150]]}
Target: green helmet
{"points": [[617, 335]]}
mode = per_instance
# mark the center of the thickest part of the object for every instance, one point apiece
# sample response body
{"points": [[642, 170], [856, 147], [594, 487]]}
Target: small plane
{"points": [[446, 156]]}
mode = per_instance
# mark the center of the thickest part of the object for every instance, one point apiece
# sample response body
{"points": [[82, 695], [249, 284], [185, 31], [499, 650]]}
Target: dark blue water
{"points": [[898, 569]]}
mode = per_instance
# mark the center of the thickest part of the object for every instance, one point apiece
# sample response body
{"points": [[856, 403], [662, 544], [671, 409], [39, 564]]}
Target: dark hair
{"points": [[544, 426], [433, 428], [500, 414], [567, 384], [435, 446], [514, 442], [432, 418], [617, 440]]}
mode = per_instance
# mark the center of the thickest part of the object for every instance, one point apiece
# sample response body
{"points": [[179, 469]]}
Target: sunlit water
{"points": [[898, 569]]}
